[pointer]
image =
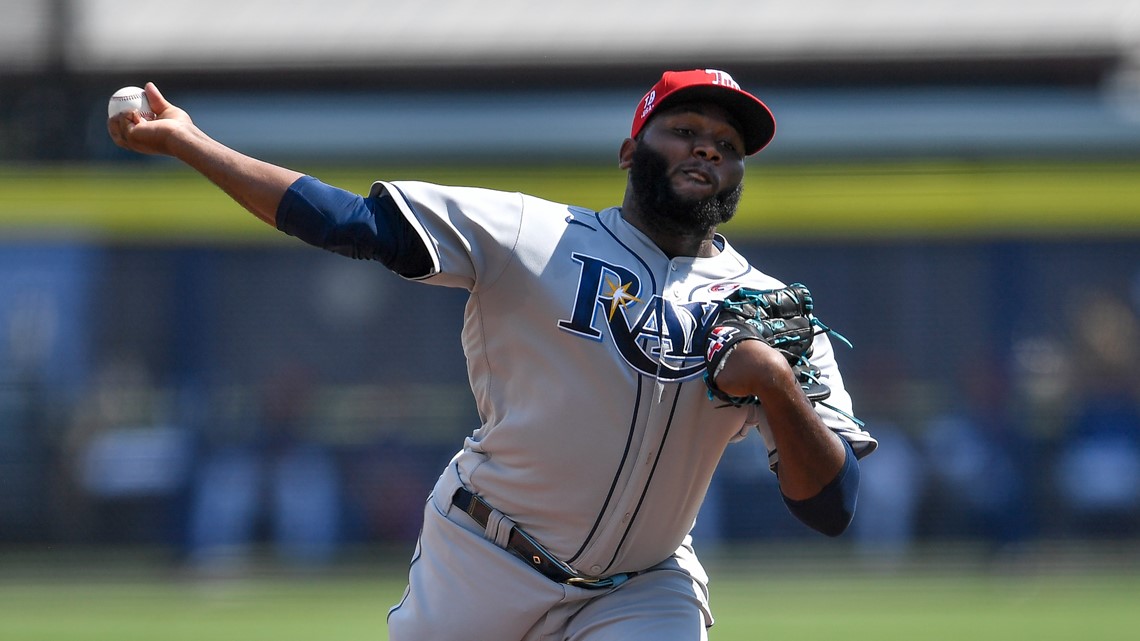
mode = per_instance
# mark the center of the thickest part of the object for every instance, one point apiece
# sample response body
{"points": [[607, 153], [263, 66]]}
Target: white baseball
{"points": [[129, 99]]}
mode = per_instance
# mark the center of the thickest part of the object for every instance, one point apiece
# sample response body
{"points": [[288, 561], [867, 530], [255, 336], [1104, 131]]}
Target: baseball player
{"points": [[567, 512]]}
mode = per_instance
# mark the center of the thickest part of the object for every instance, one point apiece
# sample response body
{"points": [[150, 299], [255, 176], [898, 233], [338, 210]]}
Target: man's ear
{"points": [[625, 153]]}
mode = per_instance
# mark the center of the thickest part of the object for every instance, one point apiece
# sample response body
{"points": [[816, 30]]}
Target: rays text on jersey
{"points": [[654, 335]]}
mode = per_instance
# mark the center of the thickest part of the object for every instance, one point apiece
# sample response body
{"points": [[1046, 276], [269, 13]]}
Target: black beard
{"points": [[664, 210]]}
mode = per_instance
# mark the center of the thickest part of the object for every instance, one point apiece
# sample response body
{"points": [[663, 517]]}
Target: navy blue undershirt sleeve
{"points": [[351, 225], [831, 511]]}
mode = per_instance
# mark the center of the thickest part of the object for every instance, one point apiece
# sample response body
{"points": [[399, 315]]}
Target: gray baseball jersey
{"points": [[598, 437]]}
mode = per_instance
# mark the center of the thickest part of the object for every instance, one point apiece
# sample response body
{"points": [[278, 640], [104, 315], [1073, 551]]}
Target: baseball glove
{"points": [[783, 319]]}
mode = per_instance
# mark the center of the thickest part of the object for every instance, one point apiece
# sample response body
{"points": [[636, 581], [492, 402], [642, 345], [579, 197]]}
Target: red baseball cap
{"points": [[714, 86]]}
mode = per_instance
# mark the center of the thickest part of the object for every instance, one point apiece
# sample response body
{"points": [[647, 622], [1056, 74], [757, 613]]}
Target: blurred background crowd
{"points": [[212, 396]]}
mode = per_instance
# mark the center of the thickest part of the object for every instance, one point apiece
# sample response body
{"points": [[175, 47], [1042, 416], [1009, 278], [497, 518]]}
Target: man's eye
{"points": [[728, 145], [683, 131]]}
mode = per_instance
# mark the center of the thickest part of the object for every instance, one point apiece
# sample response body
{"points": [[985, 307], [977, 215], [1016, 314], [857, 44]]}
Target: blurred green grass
{"points": [[760, 595], [975, 607]]}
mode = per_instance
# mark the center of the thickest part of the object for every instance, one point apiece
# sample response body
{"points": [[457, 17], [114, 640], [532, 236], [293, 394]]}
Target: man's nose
{"points": [[706, 148]]}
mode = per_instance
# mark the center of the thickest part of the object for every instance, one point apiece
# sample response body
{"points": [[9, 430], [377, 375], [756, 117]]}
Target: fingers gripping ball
{"points": [[781, 318], [130, 99]]}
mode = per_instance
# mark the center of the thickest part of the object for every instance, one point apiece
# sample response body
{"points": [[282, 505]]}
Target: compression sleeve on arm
{"points": [[831, 511], [351, 225]]}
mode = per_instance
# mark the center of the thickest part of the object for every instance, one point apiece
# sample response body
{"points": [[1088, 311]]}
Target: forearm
{"points": [[811, 455], [254, 184], [258, 186]]}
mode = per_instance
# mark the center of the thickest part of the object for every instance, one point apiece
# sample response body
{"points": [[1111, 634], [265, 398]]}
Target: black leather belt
{"points": [[526, 548]]}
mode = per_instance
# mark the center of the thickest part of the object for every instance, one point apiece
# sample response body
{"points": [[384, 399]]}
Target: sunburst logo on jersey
{"points": [[661, 338], [619, 296]]}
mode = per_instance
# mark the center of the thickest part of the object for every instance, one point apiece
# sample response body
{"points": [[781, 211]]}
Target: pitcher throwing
{"points": [[607, 384]]}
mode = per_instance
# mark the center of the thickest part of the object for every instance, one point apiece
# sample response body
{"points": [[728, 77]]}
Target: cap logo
{"points": [[649, 98], [722, 78]]}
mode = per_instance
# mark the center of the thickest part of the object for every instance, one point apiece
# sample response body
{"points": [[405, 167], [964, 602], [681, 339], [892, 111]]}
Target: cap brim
{"points": [[759, 126]]}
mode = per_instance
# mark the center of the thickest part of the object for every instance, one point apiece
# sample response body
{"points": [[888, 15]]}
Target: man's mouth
{"points": [[699, 175]]}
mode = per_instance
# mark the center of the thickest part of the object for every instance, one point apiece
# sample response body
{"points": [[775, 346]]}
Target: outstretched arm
{"points": [[299, 205], [256, 185]]}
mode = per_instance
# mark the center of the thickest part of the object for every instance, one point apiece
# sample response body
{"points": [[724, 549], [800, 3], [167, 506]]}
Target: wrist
{"points": [[186, 142]]}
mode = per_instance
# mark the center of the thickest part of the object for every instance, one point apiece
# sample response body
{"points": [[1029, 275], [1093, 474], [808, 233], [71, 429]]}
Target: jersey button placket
{"points": [[675, 288]]}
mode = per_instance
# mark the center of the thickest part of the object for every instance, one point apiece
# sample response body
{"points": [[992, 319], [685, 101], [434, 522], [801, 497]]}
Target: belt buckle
{"points": [[598, 584], [590, 584]]}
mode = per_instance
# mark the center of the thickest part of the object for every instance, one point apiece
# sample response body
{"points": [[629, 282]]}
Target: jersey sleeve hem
{"points": [[406, 210]]}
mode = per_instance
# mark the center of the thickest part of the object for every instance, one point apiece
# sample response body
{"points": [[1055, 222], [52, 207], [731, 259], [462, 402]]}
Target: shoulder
{"points": [[418, 190], [453, 199]]}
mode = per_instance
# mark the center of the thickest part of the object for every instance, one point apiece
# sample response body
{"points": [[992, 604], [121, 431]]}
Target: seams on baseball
{"points": [[129, 99]]}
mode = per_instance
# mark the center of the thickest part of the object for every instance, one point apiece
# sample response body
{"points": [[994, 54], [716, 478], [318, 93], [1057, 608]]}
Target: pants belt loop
{"points": [[498, 529]]}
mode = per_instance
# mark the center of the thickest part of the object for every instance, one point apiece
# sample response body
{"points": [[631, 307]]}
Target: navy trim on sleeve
{"points": [[348, 224], [831, 511]]}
